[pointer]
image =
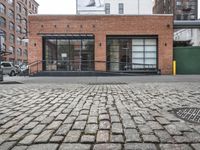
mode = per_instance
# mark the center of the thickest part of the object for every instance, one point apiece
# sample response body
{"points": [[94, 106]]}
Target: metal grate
{"points": [[188, 114]]}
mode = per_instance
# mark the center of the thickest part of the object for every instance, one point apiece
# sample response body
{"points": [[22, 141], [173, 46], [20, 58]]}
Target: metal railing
{"points": [[87, 65]]}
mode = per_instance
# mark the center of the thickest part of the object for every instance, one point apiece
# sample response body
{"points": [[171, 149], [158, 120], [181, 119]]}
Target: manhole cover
{"points": [[188, 114]]}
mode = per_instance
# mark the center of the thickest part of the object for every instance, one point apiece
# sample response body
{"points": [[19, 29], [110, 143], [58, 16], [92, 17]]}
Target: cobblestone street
{"points": [[117, 116]]}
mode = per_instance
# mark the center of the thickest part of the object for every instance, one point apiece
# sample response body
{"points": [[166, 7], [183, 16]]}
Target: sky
{"points": [[64, 7]]}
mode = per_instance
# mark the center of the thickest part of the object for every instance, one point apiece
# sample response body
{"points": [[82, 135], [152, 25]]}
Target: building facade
{"points": [[98, 43], [115, 7], [13, 23], [182, 9]]}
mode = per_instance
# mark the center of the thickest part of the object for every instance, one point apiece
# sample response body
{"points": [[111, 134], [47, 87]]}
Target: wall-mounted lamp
{"points": [[99, 44], [165, 44], [168, 25]]}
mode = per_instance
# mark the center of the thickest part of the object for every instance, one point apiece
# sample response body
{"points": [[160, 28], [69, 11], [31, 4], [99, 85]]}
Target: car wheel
{"points": [[12, 73]]}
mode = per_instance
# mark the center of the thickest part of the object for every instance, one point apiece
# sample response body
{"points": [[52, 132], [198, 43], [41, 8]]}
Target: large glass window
{"points": [[121, 8], [11, 26], [107, 8], [131, 53], [69, 53], [12, 39]]}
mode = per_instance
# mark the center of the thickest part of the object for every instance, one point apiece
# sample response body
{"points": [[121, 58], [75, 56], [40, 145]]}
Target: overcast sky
{"points": [[62, 6]]}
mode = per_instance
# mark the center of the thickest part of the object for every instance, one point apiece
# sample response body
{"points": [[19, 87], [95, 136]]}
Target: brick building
{"points": [[101, 43], [13, 23], [182, 9]]}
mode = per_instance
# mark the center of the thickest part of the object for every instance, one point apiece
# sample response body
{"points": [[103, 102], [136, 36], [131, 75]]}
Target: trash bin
{"points": [[1, 74]]}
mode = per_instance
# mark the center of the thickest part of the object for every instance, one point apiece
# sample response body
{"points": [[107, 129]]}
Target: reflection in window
{"points": [[69, 54], [131, 53]]}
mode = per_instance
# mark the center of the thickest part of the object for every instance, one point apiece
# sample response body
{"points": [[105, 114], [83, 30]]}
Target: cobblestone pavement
{"points": [[136, 116]]}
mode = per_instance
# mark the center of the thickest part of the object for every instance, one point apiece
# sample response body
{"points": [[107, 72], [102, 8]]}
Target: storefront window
{"points": [[126, 54], [69, 54]]}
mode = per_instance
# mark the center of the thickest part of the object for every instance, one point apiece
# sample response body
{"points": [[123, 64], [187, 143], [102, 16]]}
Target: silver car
{"points": [[8, 68]]}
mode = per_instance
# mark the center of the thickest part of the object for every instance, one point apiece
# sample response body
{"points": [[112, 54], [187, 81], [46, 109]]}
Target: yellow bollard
{"points": [[174, 67]]}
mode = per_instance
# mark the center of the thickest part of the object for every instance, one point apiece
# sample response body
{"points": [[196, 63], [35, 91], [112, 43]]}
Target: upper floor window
{"points": [[11, 49], [11, 26], [19, 29], [19, 18], [2, 9], [121, 8], [11, 14], [107, 8], [12, 39], [3, 37], [10, 2], [2, 22], [18, 7], [24, 11]]}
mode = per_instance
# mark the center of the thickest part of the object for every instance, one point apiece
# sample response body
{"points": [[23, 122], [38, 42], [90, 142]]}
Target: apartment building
{"points": [[114, 7], [182, 9], [13, 25]]}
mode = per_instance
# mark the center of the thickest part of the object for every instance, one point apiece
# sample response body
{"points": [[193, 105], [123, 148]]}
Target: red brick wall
{"points": [[100, 26]]}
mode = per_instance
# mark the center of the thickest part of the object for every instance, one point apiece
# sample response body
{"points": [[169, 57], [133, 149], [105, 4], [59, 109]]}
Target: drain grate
{"points": [[188, 114], [10, 82], [108, 83]]}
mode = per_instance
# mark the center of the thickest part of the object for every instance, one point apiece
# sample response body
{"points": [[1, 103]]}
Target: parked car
{"points": [[8, 68], [24, 69]]}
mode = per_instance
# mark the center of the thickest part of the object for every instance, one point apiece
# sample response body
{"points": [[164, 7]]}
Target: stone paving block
{"points": [[162, 120], [150, 138], [196, 146], [4, 137], [7, 145], [92, 120], [56, 139], [193, 136], [104, 125], [172, 129], [28, 139], [31, 125], [182, 126], [63, 129], [115, 119], [88, 139], [144, 129], [70, 120], [19, 148], [139, 146], [128, 123], [73, 136], [79, 125], [54, 125], [132, 135], [75, 147], [38, 129], [91, 129], [154, 125], [182, 139], [43, 147], [82, 118], [47, 120], [14, 129], [139, 120], [175, 147], [117, 128], [164, 136], [116, 138], [104, 117], [107, 146], [44, 136], [18, 135], [61, 117], [102, 136]]}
